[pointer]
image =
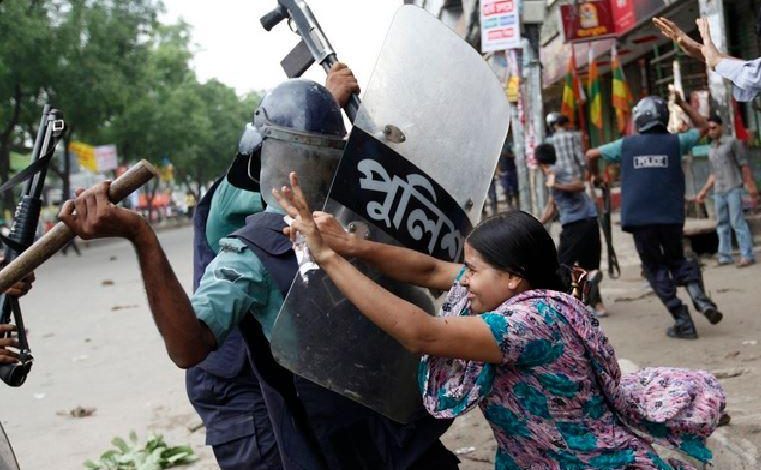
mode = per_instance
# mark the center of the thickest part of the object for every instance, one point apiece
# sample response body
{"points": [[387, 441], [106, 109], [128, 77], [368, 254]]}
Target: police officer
{"points": [[223, 388], [301, 129], [652, 206]]}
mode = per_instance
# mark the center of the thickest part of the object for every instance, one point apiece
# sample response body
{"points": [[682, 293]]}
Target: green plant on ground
{"points": [[156, 455]]}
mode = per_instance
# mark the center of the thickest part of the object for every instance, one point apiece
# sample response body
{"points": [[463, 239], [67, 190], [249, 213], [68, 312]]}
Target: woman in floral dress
{"points": [[509, 341]]}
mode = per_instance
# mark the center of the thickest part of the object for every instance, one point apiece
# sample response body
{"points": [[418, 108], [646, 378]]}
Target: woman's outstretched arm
{"points": [[396, 262], [460, 337]]}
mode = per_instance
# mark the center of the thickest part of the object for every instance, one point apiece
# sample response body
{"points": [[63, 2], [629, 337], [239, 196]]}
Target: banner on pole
{"points": [[106, 157]]}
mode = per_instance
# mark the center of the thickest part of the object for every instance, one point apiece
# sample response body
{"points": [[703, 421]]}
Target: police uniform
{"points": [[315, 427], [298, 127], [223, 388], [652, 210]]}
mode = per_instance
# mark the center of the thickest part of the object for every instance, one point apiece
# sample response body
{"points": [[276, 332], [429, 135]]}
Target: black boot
{"points": [[683, 326], [703, 303]]}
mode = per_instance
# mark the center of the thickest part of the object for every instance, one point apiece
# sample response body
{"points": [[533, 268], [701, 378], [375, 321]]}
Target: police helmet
{"points": [[301, 129], [651, 113], [301, 106]]}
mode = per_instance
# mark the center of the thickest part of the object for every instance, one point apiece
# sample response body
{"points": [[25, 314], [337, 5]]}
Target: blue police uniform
{"points": [[652, 206], [315, 428], [223, 388]]}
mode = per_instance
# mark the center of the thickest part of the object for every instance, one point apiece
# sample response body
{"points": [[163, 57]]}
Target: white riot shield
{"points": [[7, 458], [415, 172]]}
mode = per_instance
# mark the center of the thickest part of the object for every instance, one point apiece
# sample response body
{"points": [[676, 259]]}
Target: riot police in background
{"points": [[652, 207]]}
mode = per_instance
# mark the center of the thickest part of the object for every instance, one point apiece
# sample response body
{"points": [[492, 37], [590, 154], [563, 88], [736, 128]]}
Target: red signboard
{"points": [[624, 13], [588, 20]]}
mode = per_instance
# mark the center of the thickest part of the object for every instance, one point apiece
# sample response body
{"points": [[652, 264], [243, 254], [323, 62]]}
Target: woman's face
{"points": [[487, 286]]}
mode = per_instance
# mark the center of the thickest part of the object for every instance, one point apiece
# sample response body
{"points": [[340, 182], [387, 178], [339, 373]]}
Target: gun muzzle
{"points": [[14, 375]]}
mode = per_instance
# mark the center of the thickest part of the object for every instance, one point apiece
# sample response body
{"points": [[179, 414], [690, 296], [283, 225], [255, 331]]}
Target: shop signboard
{"points": [[587, 21], [500, 25], [629, 13]]}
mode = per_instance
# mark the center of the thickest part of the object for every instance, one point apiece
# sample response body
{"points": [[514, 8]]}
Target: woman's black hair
{"points": [[517, 243]]}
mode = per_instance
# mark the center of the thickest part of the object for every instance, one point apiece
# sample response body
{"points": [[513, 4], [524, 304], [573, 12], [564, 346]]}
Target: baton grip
{"points": [[61, 234]]}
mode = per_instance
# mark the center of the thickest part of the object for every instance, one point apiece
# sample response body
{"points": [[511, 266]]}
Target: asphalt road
{"points": [[96, 346]]}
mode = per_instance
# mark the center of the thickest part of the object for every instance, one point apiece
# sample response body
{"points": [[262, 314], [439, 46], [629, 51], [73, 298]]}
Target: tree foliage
{"points": [[121, 77]]}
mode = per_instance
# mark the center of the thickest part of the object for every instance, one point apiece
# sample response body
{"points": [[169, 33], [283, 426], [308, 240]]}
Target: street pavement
{"points": [[95, 346]]}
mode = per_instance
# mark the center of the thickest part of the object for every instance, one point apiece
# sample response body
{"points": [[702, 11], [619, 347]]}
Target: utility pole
{"points": [[721, 90], [531, 24], [535, 109]]}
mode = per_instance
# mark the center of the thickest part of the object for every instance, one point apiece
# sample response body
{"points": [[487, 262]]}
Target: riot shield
{"points": [[7, 457], [415, 172]]}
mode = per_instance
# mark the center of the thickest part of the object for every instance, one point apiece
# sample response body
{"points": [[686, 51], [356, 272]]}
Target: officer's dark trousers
{"points": [[237, 424], [660, 250]]}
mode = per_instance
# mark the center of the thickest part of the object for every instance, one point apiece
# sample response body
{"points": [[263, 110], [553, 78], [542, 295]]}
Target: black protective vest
{"points": [[652, 180], [315, 427]]}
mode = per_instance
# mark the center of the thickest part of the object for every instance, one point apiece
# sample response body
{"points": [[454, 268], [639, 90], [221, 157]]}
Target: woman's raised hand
{"points": [[294, 203]]}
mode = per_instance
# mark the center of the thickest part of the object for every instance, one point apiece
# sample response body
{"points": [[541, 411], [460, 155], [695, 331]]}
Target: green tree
{"points": [[26, 66], [120, 77], [104, 44]]}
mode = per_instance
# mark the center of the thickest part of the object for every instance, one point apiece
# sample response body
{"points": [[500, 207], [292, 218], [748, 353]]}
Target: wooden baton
{"points": [[61, 234]]}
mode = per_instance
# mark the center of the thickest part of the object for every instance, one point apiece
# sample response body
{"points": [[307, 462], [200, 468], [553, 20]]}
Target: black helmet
{"points": [[301, 105], [650, 113], [301, 129], [301, 111]]}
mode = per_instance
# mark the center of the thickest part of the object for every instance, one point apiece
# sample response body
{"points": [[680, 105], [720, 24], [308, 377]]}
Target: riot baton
{"points": [[61, 234], [314, 45]]}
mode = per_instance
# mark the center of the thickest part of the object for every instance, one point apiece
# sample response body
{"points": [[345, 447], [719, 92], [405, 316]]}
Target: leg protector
{"points": [[703, 303], [692, 279], [683, 327]]}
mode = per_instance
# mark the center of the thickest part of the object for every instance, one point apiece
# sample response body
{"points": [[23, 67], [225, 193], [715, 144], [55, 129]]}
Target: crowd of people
{"points": [[509, 338]]}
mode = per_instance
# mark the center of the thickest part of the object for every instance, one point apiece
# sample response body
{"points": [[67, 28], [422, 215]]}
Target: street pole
{"points": [[519, 150], [720, 91], [535, 111]]}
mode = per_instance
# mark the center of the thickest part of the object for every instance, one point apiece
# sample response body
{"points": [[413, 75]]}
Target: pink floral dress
{"points": [[558, 401]]}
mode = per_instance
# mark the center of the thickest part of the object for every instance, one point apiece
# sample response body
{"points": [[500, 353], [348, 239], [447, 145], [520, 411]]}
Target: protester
{"points": [[580, 242], [745, 75], [223, 388], [729, 169], [245, 285], [652, 206], [507, 340], [568, 150]]}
